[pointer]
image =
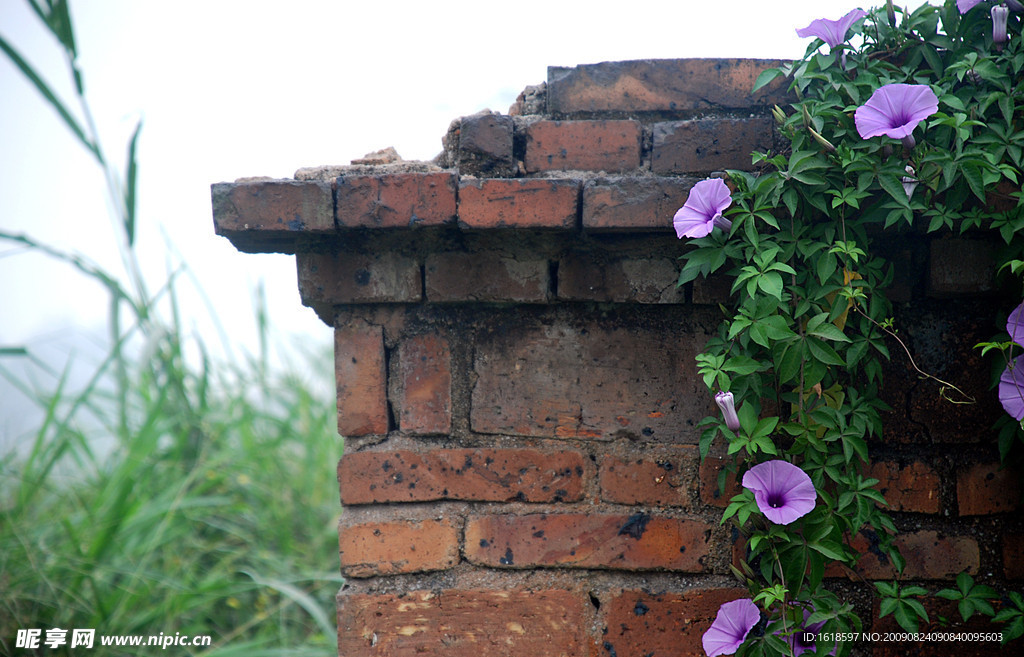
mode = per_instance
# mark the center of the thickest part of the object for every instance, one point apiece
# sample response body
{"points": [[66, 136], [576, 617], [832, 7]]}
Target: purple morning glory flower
{"points": [[1015, 324], [727, 403], [1011, 389], [966, 5], [1000, 14], [782, 490], [732, 624], [703, 210], [831, 32], [894, 110]]}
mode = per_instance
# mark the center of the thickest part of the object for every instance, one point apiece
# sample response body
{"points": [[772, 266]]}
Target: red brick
{"points": [[710, 468], [361, 380], [486, 276], [929, 555], [591, 382], [987, 488], [518, 203], [479, 475], [913, 488], [339, 278], [581, 277], [611, 146], [271, 215], [633, 204], [395, 200], [961, 266], [663, 477], [708, 144], [640, 623], [463, 623], [1013, 556], [577, 540], [662, 85], [402, 546], [425, 399]]}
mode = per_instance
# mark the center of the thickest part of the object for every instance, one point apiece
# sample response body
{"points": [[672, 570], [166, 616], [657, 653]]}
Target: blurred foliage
{"points": [[170, 493]]}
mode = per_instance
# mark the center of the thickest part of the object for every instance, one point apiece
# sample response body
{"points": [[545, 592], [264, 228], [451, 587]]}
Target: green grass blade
{"points": [[51, 98], [129, 191]]}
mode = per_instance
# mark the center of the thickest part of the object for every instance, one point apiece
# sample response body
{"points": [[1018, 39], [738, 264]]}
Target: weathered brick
{"points": [[708, 144], [518, 203], [641, 624], [271, 215], [361, 380], [913, 488], [662, 477], [339, 278], [1013, 556], [424, 401], [661, 85], [395, 200], [478, 475], [710, 469], [714, 289], [401, 546], [929, 555], [485, 146], [578, 540], [633, 204], [961, 266], [605, 145], [582, 277], [590, 382], [987, 488], [463, 623], [486, 276]]}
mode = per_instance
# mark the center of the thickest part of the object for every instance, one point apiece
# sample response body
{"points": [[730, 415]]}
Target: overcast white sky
{"points": [[231, 88]]}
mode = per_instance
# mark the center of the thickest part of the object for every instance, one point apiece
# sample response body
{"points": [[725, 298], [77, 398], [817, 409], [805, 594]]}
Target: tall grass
{"points": [[166, 494]]}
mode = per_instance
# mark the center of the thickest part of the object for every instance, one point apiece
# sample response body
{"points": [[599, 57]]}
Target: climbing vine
{"points": [[903, 120]]}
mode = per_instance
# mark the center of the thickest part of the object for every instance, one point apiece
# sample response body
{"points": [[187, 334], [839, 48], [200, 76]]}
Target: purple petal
{"points": [[1015, 324], [966, 5], [703, 208], [690, 223], [783, 491], [831, 32], [732, 624], [1011, 389], [895, 110]]}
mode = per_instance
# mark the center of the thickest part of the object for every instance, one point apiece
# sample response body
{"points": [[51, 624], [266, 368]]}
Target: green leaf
{"points": [[771, 284], [742, 365], [765, 77], [823, 353], [829, 331]]}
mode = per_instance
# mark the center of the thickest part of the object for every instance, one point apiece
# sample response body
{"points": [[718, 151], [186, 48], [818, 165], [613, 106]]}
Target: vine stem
{"points": [[967, 399]]}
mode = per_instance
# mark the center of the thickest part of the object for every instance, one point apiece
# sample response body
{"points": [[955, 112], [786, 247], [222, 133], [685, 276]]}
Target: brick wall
{"points": [[516, 379]]}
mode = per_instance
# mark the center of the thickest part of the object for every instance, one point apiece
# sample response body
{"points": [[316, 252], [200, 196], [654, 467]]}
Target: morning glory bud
{"points": [[909, 181], [1014, 6], [1000, 13], [727, 403]]}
